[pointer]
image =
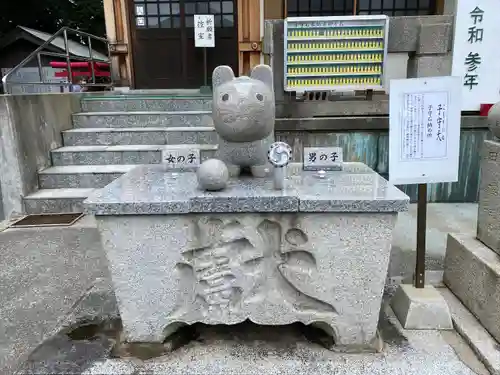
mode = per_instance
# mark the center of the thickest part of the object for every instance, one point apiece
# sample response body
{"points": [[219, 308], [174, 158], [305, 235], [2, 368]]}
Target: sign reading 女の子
{"points": [[204, 30], [476, 53]]}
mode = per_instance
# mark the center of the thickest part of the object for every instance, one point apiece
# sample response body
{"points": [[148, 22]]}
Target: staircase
{"points": [[112, 135]]}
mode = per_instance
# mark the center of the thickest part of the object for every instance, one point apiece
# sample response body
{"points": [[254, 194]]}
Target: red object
{"points": [[81, 69], [80, 64], [484, 109], [98, 73]]}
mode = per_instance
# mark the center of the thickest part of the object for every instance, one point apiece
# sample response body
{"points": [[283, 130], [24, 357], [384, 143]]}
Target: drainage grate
{"points": [[47, 220]]}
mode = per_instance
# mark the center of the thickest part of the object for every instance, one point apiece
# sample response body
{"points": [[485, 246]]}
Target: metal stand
{"points": [[421, 232], [205, 89], [279, 178]]}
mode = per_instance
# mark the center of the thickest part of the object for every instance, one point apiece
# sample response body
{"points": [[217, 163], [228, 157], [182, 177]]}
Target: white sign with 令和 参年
{"points": [[476, 53], [424, 130], [204, 30]]}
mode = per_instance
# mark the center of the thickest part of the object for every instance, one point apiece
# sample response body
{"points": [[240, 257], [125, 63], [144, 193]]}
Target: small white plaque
{"points": [[140, 21], [180, 158], [139, 10], [204, 30], [424, 130], [326, 158]]}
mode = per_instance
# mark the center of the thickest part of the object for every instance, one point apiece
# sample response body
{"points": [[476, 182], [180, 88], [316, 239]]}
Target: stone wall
{"points": [[30, 126]]}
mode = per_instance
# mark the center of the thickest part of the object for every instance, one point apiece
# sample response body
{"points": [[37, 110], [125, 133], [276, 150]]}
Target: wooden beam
{"points": [[249, 14]]}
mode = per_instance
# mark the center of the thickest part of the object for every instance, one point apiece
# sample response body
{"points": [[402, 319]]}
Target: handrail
{"points": [[39, 51]]}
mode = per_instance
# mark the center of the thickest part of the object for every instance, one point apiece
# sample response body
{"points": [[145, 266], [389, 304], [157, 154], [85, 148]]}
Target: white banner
{"points": [[424, 130], [476, 52], [204, 30]]}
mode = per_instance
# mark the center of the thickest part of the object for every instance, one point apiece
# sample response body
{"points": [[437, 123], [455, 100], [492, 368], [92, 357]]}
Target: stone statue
{"points": [[243, 112], [494, 120]]}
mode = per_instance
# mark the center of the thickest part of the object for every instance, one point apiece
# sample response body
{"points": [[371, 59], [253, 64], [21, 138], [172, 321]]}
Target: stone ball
{"points": [[494, 120], [213, 175]]}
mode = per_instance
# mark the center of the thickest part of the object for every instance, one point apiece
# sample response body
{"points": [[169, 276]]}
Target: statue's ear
{"points": [[263, 73], [222, 74]]}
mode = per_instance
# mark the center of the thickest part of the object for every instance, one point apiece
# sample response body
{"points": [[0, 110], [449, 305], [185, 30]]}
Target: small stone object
{"points": [[494, 119], [213, 175]]}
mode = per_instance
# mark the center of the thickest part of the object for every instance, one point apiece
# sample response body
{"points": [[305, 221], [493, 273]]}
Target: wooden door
{"points": [[163, 42]]}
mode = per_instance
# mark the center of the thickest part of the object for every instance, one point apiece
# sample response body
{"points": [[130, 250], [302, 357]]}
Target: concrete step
{"points": [[140, 136], [472, 273], [127, 154], [125, 103], [56, 200], [81, 176], [142, 119]]}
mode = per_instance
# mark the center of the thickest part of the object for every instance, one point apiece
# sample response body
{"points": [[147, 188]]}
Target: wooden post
{"points": [[249, 38], [421, 236]]}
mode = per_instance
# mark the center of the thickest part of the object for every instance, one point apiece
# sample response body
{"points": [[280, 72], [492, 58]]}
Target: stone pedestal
{"points": [[472, 265], [488, 219], [423, 308], [316, 252]]}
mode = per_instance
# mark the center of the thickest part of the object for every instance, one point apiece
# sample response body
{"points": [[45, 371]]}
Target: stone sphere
{"points": [[494, 120], [213, 175]]}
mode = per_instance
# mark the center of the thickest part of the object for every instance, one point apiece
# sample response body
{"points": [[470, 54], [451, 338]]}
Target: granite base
{"points": [[272, 269], [423, 308], [488, 218], [472, 272]]}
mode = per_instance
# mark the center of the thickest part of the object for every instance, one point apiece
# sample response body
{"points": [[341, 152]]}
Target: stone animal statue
{"points": [[243, 112]]}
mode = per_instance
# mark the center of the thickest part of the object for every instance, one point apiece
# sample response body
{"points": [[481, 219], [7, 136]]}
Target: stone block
{"points": [[429, 66], [272, 269], [421, 308], [488, 218], [472, 272], [144, 103], [434, 38], [142, 119], [316, 252]]}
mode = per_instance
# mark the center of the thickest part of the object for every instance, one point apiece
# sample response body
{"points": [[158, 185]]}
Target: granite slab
{"points": [[152, 190]]}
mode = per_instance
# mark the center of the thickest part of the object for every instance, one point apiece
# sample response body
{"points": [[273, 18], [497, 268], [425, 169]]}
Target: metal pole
{"points": [[91, 60], [68, 59], [421, 229], [205, 67], [40, 69]]}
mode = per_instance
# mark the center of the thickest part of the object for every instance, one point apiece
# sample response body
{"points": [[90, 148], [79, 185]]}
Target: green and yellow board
{"points": [[335, 53]]}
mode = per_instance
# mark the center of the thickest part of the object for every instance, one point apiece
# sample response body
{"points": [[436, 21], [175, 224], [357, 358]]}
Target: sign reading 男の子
{"points": [[476, 53], [424, 130], [323, 158], [204, 30]]}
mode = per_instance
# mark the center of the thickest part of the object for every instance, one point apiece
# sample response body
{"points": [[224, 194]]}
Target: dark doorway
{"points": [[163, 42]]}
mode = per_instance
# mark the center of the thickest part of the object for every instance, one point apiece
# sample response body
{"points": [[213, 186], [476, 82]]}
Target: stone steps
{"points": [[56, 200], [81, 176], [115, 133], [140, 136], [142, 119], [120, 154], [125, 103]]}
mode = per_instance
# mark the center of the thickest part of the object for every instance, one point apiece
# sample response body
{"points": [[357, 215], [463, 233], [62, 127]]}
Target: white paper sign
{"points": [[424, 130], [204, 30], [323, 158], [180, 158], [476, 52]]}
